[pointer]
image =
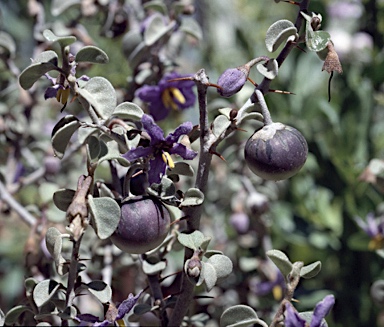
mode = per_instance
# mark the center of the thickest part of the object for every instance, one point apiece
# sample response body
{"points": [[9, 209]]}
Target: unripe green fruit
{"points": [[143, 225], [276, 151]]}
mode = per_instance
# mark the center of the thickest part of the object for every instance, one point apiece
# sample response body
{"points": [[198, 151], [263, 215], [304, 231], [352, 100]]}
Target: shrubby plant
{"points": [[145, 175]]}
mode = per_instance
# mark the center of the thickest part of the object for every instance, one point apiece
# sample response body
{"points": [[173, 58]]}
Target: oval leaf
{"points": [[153, 269], [32, 73], [92, 54], [239, 316], [62, 134], [128, 111], [311, 270], [7, 42], [100, 93], [191, 27], [269, 70], [222, 264], [52, 236], [63, 198], [165, 189], [316, 40], [278, 33], [208, 275], [281, 261], [44, 291], [220, 125], [192, 197], [106, 215], [14, 314], [193, 240], [62, 40], [181, 168], [100, 290]]}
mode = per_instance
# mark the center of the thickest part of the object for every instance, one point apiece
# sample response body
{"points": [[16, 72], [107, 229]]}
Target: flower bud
{"points": [[192, 267], [232, 80]]}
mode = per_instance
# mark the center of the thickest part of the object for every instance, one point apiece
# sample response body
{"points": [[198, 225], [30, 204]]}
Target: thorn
{"points": [[240, 129], [300, 48], [292, 2], [215, 85], [187, 78], [217, 154], [178, 220], [281, 92], [255, 84]]}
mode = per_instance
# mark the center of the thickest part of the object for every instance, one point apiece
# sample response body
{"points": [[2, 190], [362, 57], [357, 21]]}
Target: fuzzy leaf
{"points": [[44, 291], [9, 45], [316, 40], [207, 275], [32, 73], [191, 27], [220, 125], [62, 40], [63, 198], [311, 270], [94, 148], [156, 30], [105, 215], [193, 197], [165, 189], [238, 316], [181, 168], [269, 70], [278, 33], [281, 261], [100, 93], [222, 264], [14, 314], [156, 5], [52, 236], [128, 111], [194, 240], [153, 269], [59, 6], [100, 290], [62, 133], [92, 54]]}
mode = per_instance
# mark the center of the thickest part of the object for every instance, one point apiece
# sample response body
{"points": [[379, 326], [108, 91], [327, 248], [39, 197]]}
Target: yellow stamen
{"points": [[58, 94], [121, 322], [168, 160], [376, 243], [170, 95], [277, 292], [65, 95]]}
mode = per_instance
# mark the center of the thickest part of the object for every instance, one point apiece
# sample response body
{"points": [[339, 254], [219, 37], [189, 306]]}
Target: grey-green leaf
{"points": [[14, 314], [63, 198], [100, 93], [220, 125], [128, 111], [181, 168], [193, 240], [222, 264], [192, 197], [165, 189], [100, 290], [92, 54], [269, 70], [156, 5], [157, 29], [190, 26], [311, 270], [44, 291], [316, 40], [62, 40], [307, 316], [105, 215], [9, 45], [52, 236], [153, 269], [278, 33], [59, 6], [32, 73], [239, 316], [281, 261], [62, 134], [208, 275]]}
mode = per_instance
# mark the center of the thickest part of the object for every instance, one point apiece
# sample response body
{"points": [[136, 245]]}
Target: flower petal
{"points": [[149, 93], [127, 305], [183, 129], [157, 168], [139, 152], [321, 310], [158, 110], [183, 151], [154, 131], [292, 318]]}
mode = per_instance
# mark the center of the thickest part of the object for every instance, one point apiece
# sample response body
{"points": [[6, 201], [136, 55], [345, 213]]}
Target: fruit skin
{"points": [[276, 151], [143, 225]]}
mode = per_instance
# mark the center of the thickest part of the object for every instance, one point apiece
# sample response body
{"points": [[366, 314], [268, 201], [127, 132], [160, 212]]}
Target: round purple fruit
{"points": [[276, 151], [144, 224]]}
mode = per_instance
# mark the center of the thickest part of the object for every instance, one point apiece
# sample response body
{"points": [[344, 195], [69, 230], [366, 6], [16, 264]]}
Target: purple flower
{"points": [[113, 314], [293, 319], [374, 228], [160, 148], [167, 96], [276, 286]]}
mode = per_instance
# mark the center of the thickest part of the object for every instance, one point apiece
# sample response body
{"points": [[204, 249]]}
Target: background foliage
{"points": [[311, 216]]}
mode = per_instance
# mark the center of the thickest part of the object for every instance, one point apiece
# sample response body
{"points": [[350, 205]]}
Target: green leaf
{"points": [[157, 29], [128, 111], [165, 189], [59, 6], [62, 40], [269, 69], [238, 316], [100, 290], [62, 134], [47, 56], [8, 44], [307, 316], [311, 270], [281, 261], [94, 148], [208, 276], [193, 240], [100, 93], [156, 5], [191, 27], [52, 236], [30, 284], [316, 40], [220, 125], [141, 308], [63, 198], [181, 168], [14, 314], [43, 324], [153, 269], [110, 151], [92, 54], [193, 197], [68, 313], [46, 191], [222, 265], [278, 33], [32, 73], [105, 215], [44, 291]]}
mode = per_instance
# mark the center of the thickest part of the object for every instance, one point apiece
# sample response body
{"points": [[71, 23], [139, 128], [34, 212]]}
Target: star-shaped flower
{"points": [[293, 319], [160, 148], [167, 95], [374, 228]]}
